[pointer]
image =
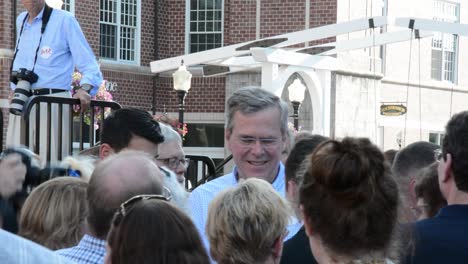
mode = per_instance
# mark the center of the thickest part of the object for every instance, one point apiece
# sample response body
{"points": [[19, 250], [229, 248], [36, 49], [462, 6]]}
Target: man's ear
{"points": [[227, 136], [448, 168], [105, 150], [278, 247], [292, 189]]}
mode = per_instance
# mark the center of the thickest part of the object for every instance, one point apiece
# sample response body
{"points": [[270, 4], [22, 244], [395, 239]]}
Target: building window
{"points": [[444, 46], [69, 5], [119, 23], [436, 138], [205, 25]]}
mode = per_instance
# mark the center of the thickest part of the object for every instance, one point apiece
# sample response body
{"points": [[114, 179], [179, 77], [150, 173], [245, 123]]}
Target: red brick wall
{"points": [[133, 90], [323, 12], [205, 95], [167, 39], [239, 21], [171, 28], [276, 17], [87, 14], [279, 17], [148, 32], [6, 25]]}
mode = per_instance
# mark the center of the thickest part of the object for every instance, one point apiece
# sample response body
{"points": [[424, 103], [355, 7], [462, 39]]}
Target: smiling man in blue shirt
{"points": [[256, 135], [51, 43]]}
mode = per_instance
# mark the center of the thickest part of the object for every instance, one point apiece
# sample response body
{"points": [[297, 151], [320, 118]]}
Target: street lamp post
{"points": [[182, 79], [296, 96]]}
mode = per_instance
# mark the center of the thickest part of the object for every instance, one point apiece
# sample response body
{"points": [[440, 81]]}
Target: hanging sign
{"points": [[392, 110]]}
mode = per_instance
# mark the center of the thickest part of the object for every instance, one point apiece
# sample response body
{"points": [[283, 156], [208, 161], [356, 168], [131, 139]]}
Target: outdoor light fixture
{"points": [[296, 96], [182, 80], [57, 4]]}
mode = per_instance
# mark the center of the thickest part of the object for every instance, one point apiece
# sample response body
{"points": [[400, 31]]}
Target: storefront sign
{"points": [[392, 110]]}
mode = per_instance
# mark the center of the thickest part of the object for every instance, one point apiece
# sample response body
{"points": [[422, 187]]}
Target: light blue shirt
{"points": [[63, 47], [17, 250], [90, 250], [201, 197]]}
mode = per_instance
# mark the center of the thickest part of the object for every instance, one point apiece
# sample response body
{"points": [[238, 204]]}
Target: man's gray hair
{"points": [[249, 100], [169, 133]]}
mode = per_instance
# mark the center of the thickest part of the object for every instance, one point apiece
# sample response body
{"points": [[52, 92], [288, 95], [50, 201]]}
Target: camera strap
{"points": [[45, 19]]}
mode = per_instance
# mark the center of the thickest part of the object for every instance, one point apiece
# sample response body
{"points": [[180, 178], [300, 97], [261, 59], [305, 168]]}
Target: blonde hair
{"points": [[245, 221], [54, 213], [83, 163]]}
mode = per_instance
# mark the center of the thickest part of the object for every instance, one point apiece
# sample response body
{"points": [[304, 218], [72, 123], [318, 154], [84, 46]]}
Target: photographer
{"points": [[50, 44], [12, 175]]}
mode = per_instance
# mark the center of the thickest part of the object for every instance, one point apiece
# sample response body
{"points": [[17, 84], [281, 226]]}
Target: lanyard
{"points": [[45, 19]]}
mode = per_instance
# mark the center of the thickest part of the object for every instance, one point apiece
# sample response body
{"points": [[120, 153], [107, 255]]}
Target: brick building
{"points": [[126, 35]]}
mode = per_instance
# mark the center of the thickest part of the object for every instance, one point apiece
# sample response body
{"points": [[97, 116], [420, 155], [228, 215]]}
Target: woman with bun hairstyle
{"points": [[350, 203]]}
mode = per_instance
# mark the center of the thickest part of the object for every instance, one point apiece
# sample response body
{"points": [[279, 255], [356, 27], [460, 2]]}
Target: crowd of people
{"points": [[333, 201], [291, 198]]}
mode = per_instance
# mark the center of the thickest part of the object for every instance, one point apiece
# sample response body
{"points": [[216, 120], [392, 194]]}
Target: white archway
{"points": [[315, 87]]}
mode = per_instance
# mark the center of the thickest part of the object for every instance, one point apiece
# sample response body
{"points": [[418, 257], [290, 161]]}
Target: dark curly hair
{"points": [[350, 198]]}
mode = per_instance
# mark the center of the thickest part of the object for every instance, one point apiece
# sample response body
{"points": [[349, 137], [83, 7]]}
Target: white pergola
{"points": [[278, 57]]}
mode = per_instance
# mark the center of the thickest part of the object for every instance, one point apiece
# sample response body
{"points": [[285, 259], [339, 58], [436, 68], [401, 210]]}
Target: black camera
{"points": [[23, 79], [34, 174]]}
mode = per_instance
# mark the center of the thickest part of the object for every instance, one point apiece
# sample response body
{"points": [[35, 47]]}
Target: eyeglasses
{"points": [[265, 142], [126, 206], [173, 163], [438, 155]]}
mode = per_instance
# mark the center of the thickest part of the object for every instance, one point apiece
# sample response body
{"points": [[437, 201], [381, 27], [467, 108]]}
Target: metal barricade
{"points": [[200, 170], [70, 103]]}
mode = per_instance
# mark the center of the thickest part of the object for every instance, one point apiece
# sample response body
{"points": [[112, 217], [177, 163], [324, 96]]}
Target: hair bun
{"points": [[349, 179]]}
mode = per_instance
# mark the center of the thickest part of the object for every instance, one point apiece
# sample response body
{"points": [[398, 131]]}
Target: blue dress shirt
{"points": [[63, 47], [90, 250], [17, 250], [201, 197]]}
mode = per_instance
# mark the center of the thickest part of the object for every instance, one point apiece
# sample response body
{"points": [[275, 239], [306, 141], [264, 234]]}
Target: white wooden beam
{"points": [[281, 56], [432, 25], [328, 31], [278, 41], [377, 40], [233, 69]]}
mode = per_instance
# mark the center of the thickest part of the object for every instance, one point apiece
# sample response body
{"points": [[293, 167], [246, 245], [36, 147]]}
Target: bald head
{"points": [[115, 180], [128, 170]]}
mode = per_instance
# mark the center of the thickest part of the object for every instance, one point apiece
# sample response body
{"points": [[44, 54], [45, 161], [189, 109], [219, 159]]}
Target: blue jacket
{"points": [[443, 238]]}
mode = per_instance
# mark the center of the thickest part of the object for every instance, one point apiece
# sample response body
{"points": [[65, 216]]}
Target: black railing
{"points": [[199, 165], [71, 104], [203, 169], [219, 169]]}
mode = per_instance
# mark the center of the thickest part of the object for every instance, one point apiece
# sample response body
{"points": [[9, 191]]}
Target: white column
{"points": [[269, 75]]}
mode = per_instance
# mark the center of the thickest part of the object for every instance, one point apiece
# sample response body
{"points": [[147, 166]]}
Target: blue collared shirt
{"points": [[90, 250], [201, 197], [15, 249], [63, 47]]}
